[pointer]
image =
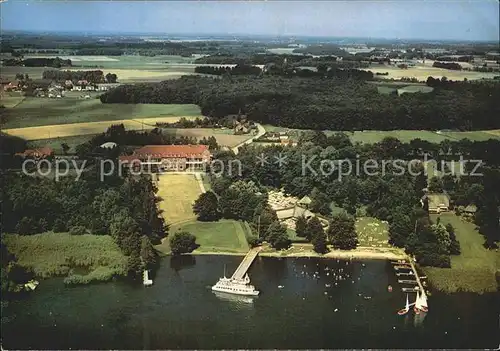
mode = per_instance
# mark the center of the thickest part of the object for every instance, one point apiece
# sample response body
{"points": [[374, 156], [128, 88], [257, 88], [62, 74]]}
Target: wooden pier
{"points": [[405, 281], [242, 269], [407, 269], [409, 274], [414, 269]]}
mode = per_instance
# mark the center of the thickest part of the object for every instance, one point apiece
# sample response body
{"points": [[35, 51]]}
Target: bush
{"points": [[182, 242], [253, 241], [78, 230], [26, 226]]}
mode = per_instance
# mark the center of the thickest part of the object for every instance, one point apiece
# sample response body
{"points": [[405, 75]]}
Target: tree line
{"points": [[324, 103], [239, 69], [93, 76], [38, 62], [447, 65]]}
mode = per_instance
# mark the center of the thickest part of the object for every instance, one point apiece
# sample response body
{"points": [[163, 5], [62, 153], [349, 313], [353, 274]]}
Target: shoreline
{"points": [[360, 253]]}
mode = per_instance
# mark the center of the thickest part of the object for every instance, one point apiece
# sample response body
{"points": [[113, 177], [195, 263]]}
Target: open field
{"points": [[422, 72], [474, 269], [225, 137], [374, 136], [128, 68], [11, 99], [143, 75], [123, 61], [473, 135], [9, 72], [55, 143], [44, 111], [223, 236], [51, 254], [75, 129], [178, 193]]}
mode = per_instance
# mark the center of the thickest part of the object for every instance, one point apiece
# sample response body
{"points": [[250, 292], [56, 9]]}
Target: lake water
{"points": [[180, 311]]}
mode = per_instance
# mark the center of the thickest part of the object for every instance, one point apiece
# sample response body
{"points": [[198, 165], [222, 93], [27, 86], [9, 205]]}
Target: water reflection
{"points": [[240, 299], [419, 319], [178, 263]]}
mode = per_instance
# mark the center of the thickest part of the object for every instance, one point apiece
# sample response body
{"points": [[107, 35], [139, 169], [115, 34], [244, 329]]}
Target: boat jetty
{"points": [[405, 271], [239, 283]]}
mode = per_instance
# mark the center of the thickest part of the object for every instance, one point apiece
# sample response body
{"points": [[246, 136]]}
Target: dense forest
{"points": [[338, 103]]}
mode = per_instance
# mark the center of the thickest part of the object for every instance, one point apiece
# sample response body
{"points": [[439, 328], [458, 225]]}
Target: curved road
{"points": [[261, 132]]}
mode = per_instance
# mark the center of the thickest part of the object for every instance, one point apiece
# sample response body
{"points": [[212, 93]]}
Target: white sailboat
{"points": [[406, 309], [421, 303]]}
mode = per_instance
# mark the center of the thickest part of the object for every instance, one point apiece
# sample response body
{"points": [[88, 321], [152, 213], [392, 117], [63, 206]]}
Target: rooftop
{"points": [[171, 150]]}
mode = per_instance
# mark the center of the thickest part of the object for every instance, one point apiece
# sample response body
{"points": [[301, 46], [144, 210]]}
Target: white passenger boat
{"points": [[235, 286]]}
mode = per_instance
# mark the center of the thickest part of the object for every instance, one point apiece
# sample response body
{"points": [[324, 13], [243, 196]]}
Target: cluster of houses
{"points": [[53, 89], [282, 138]]}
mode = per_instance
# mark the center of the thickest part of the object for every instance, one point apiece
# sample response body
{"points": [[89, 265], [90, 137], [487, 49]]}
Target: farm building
{"points": [[437, 202], [169, 157], [106, 86]]}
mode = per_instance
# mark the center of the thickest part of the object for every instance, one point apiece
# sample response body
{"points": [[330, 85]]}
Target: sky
{"points": [[405, 19]]}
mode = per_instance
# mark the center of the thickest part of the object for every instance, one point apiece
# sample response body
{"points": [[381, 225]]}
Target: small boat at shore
{"points": [[421, 303]]}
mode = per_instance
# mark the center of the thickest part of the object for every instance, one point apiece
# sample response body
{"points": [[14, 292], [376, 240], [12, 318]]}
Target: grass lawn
{"points": [[44, 111], [178, 193], [372, 232], [375, 136], [475, 135], [11, 99], [474, 269], [206, 182], [222, 236], [9, 72], [50, 254]]}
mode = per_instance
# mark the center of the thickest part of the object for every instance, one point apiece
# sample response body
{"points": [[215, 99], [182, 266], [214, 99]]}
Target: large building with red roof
{"points": [[169, 157]]}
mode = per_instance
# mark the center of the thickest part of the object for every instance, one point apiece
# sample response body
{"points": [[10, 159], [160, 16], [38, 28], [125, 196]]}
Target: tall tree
{"points": [[320, 203], [277, 236], [399, 229], [342, 232], [301, 227], [206, 207], [318, 236]]}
